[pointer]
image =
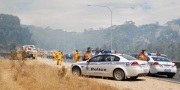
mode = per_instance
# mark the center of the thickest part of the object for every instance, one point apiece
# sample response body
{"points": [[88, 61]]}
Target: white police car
{"points": [[118, 66], [161, 65]]}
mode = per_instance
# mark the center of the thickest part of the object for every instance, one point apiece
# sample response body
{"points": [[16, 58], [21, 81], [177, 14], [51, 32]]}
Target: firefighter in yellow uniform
{"points": [[143, 55], [36, 55], [87, 54], [53, 55], [43, 54], [76, 56], [59, 58]]}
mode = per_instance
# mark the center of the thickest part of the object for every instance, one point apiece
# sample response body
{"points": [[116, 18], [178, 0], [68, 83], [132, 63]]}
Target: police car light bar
{"points": [[110, 51], [154, 54]]}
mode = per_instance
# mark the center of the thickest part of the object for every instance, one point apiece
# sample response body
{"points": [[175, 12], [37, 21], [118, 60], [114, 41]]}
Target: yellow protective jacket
{"points": [[75, 55], [53, 54], [142, 56], [78, 53], [87, 55], [59, 55]]}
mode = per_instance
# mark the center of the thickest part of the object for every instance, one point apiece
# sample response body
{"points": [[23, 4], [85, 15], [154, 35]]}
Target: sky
{"points": [[76, 15]]}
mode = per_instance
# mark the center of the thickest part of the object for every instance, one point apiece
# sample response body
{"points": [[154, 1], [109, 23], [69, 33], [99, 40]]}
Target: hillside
{"points": [[12, 34], [127, 38]]}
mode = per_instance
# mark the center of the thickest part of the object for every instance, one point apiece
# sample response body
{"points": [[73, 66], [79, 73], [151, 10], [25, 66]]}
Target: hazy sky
{"points": [[76, 15]]}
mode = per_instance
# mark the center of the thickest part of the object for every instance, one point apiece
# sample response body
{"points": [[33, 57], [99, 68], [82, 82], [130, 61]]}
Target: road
{"points": [[176, 78]]}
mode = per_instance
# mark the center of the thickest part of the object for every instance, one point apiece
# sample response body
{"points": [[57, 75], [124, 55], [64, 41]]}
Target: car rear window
{"points": [[161, 59], [128, 57]]}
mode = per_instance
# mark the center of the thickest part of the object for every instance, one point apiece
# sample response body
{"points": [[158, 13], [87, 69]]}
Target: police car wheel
{"points": [[76, 71], [149, 74], [119, 74], [170, 75]]}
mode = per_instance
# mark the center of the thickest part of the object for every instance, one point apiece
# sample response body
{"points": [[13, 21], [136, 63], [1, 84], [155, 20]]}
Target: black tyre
{"points": [[133, 78], [76, 71], [119, 75], [149, 74], [33, 57], [170, 75]]}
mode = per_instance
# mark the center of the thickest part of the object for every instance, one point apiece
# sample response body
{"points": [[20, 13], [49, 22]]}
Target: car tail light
{"points": [[174, 65], [158, 54], [29, 48], [134, 63], [156, 63]]}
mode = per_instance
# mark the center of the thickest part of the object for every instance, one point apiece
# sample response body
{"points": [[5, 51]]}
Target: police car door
{"points": [[95, 66], [110, 64]]}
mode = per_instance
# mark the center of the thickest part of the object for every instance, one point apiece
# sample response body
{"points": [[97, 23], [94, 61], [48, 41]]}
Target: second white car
{"points": [[161, 65]]}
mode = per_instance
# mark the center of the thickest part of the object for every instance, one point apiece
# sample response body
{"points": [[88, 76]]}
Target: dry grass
{"points": [[1, 70], [1, 84], [41, 76], [3, 66], [32, 75]]}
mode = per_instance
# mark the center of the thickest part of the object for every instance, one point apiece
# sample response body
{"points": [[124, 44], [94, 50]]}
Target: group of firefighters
{"points": [[142, 55], [76, 56], [54, 55], [88, 54], [59, 56]]}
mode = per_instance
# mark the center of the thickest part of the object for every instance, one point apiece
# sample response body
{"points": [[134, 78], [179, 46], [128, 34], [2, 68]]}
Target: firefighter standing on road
{"points": [[142, 55], [53, 55], [36, 56], [42, 54], [59, 58], [76, 56], [87, 54]]}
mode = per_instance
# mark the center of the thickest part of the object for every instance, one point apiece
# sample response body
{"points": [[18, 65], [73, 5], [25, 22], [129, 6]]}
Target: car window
{"points": [[135, 55], [111, 58], [128, 57], [97, 59], [116, 59], [161, 59]]}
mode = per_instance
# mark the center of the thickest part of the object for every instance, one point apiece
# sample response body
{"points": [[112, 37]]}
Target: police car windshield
{"points": [[128, 57], [161, 59]]}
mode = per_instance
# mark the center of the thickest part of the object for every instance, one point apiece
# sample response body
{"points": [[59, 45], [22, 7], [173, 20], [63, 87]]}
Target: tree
{"points": [[11, 32]]}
